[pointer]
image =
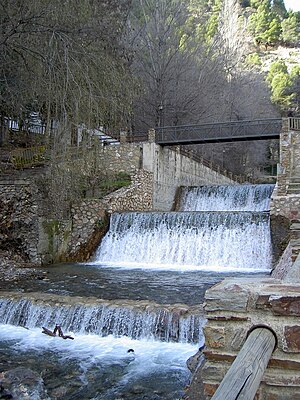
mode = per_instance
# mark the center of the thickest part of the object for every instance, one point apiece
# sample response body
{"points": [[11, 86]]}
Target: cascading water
{"points": [[236, 237], [217, 228], [136, 322], [226, 198], [136, 350]]}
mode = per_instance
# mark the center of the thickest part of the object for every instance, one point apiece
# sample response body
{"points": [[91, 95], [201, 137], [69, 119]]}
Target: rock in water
{"points": [[23, 384]]}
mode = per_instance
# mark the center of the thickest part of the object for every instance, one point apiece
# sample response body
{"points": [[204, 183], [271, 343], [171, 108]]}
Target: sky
{"points": [[292, 4]]}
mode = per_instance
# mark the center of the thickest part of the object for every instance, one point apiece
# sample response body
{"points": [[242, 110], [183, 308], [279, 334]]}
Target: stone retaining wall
{"points": [[126, 157], [153, 188], [19, 219], [90, 218], [156, 174], [287, 205], [286, 196], [234, 307], [136, 197]]}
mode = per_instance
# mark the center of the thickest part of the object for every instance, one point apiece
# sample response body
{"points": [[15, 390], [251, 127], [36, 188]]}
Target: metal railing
{"points": [[294, 124], [27, 157], [219, 132]]}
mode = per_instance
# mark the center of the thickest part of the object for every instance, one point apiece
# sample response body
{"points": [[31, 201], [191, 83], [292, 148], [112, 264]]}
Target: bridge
{"points": [[233, 131]]}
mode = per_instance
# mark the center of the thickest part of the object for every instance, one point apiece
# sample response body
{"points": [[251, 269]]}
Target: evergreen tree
{"points": [[279, 9], [281, 87], [291, 29], [295, 76], [276, 68], [285, 86], [272, 34], [265, 25]]}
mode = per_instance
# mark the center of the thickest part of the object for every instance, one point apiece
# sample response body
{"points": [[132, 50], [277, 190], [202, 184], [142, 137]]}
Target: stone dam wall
{"points": [[171, 170]]}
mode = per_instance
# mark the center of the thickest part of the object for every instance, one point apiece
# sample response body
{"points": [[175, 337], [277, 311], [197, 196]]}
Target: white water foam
{"points": [[226, 198], [105, 319], [92, 350], [188, 241], [220, 269]]}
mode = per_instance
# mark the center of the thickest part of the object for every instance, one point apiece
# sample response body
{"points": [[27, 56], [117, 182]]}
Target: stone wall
{"points": [[232, 309], [90, 218], [285, 202], [41, 239], [286, 196], [19, 219], [136, 197], [156, 174], [153, 187], [126, 157], [171, 169], [286, 205]]}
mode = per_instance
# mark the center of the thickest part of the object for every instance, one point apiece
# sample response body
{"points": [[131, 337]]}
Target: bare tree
{"points": [[173, 66], [65, 60]]}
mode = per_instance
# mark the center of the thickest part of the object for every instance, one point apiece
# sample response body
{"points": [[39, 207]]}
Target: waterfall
{"points": [[229, 230], [147, 322], [217, 228], [226, 198]]}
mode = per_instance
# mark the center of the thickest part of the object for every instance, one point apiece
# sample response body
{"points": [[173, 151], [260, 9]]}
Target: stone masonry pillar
{"points": [[151, 135], [233, 308], [123, 137]]}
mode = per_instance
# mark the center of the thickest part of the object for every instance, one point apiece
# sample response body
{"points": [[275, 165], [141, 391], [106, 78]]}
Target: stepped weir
{"points": [[218, 227], [217, 230], [137, 320]]}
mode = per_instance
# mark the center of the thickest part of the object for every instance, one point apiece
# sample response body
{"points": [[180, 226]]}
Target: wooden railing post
{"points": [[244, 376]]}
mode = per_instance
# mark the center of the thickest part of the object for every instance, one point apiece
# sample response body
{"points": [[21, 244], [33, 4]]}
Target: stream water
{"points": [[151, 272]]}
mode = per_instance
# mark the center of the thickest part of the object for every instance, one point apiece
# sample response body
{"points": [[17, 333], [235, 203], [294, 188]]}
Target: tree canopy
{"points": [[285, 85]]}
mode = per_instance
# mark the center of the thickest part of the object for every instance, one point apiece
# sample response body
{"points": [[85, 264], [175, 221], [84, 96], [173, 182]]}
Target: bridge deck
{"points": [[234, 131]]}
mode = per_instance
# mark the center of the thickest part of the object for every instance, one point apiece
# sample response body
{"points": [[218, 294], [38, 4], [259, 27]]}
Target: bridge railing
{"points": [[218, 131]]}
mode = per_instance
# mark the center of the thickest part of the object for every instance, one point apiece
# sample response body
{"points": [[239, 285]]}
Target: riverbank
{"points": [[13, 268]]}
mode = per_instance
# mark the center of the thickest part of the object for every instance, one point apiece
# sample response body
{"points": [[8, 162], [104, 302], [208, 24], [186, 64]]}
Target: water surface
{"points": [[116, 282]]}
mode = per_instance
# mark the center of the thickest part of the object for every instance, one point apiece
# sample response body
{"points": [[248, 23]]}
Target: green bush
{"points": [[253, 59]]}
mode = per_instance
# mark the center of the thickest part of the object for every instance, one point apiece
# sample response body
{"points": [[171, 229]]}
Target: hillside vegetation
{"points": [[133, 65]]}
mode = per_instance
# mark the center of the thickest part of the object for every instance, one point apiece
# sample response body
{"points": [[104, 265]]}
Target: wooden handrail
{"points": [[245, 374]]}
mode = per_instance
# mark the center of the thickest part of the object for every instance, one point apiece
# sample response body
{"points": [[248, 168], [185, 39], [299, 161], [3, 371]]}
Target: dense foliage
{"points": [[285, 85], [271, 24]]}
